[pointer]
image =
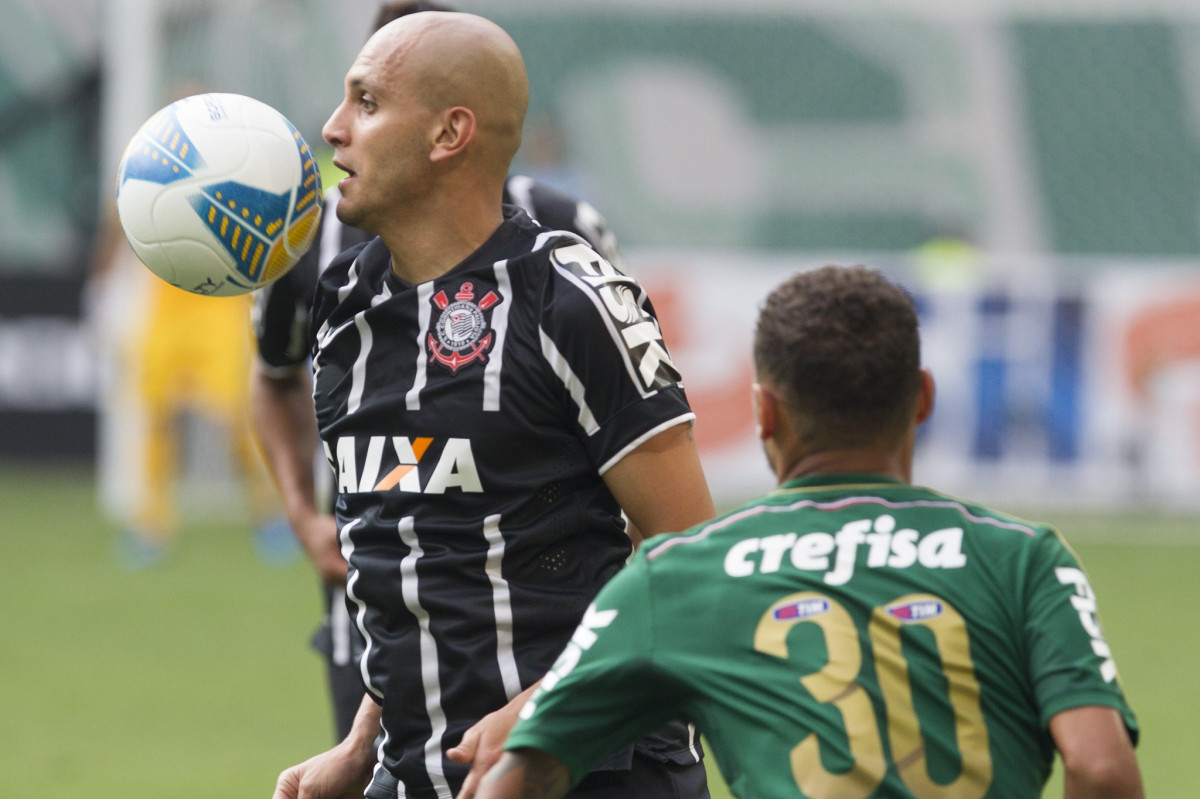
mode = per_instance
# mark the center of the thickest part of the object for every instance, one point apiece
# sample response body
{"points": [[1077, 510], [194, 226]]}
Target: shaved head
{"points": [[429, 123], [453, 59]]}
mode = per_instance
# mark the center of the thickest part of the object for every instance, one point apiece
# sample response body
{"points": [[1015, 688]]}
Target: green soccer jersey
{"points": [[844, 636]]}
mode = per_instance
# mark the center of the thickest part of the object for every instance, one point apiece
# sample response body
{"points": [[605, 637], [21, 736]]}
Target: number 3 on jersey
{"points": [[835, 684]]}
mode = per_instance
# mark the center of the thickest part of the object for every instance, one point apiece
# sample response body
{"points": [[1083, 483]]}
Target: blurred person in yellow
{"points": [[173, 353]]}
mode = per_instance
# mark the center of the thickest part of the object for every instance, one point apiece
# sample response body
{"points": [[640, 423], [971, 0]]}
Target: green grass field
{"points": [[194, 680]]}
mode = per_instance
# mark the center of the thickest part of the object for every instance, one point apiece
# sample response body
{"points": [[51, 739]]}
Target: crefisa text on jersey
{"points": [[836, 554]]}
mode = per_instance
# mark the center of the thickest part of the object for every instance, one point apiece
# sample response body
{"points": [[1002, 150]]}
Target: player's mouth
{"points": [[350, 173]]}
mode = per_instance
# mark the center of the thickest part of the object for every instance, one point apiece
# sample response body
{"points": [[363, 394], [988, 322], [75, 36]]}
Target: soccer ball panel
{"points": [[218, 194]]}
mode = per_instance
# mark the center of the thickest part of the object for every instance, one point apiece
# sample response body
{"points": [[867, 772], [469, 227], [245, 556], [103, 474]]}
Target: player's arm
{"points": [[669, 465], [341, 772], [1074, 676], [526, 774], [660, 485], [1097, 755], [287, 432]]}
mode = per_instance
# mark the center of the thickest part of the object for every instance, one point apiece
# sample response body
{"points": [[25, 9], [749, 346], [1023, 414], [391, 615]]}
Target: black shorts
{"points": [[646, 778]]}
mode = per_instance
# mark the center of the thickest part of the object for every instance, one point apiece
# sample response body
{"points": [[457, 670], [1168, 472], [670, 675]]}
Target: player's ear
{"points": [[766, 410], [454, 130], [925, 396]]}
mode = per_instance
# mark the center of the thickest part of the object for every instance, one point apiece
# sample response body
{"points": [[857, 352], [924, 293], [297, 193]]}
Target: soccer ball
{"points": [[218, 194]]}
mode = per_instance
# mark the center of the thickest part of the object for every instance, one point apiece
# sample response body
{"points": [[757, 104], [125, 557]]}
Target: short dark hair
{"points": [[389, 12], [841, 347]]}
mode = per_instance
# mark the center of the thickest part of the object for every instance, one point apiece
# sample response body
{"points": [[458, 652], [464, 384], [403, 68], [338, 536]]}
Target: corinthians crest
{"points": [[461, 333]]}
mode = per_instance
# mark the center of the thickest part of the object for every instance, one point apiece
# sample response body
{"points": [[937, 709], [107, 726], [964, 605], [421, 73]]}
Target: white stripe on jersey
{"points": [[412, 399], [358, 375], [429, 658], [351, 280], [644, 437], [491, 372], [339, 628], [360, 617], [691, 733], [520, 191], [324, 334], [385, 292], [502, 606], [618, 340], [331, 231], [562, 370], [544, 238]]}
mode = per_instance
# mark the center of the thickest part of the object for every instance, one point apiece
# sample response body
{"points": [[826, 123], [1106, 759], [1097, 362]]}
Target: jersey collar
{"points": [[839, 480]]}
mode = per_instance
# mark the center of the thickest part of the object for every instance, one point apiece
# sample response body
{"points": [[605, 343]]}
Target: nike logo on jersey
{"points": [[837, 554], [399, 463]]}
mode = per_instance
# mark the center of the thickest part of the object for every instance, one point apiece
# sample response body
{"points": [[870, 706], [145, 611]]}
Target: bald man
{"points": [[493, 398], [281, 396]]}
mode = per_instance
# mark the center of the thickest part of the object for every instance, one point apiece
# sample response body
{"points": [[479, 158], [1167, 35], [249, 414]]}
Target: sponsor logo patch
{"points": [[916, 611], [804, 609]]}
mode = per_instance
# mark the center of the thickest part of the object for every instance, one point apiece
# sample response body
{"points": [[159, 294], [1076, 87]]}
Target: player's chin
{"points": [[348, 213]]}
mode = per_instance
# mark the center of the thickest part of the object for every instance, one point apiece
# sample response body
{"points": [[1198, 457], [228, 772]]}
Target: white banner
{"points": [[1057, 385]]}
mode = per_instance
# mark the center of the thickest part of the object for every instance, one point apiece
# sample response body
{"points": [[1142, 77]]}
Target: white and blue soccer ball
{"points": [[219, 194]]}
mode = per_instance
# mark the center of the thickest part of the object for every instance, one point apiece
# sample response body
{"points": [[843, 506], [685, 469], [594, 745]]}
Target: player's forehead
{"points": [[377, 68]]}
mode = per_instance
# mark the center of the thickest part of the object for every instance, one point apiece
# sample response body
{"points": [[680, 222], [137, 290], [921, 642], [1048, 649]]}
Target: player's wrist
{"points": [[357, 751]]}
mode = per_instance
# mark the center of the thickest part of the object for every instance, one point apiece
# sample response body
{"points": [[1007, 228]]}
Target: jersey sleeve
{"points": [[281, 310], [600, 338], [1070, 662], [605, 689], [281, 317]]}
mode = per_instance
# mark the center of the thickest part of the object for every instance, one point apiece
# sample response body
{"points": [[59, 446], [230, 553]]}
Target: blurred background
{"points": [[1030, 170]]}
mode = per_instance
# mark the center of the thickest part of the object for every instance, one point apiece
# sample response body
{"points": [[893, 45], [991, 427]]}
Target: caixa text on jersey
{"points": [[418, 465]]}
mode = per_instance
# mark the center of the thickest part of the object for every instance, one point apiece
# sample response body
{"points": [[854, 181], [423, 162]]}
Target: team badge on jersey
{"points": [[461, 334]]}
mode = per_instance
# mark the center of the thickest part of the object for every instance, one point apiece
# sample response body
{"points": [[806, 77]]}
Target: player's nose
{"points": [[334, 130]]}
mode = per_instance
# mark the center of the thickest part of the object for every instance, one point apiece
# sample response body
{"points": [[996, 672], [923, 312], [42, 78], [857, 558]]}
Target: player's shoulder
{"points": [[352, 278], [540, 200], [984, 516], [545, 249], [573, 278], [558, 210], [362, 259]]}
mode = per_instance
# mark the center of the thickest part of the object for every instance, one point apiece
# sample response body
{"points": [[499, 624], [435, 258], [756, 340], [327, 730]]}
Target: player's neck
{"points": [[888, 463], [431, 241]]}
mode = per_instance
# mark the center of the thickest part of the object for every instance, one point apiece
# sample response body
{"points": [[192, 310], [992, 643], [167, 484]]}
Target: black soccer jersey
{"points": [[469, 421], [281, 309]]}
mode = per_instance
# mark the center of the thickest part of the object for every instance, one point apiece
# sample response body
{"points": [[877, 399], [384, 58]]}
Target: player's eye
{"points": [[366, 103]]}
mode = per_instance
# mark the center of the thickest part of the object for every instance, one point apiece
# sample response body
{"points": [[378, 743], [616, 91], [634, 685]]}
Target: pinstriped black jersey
{"points": [[469, 421]]}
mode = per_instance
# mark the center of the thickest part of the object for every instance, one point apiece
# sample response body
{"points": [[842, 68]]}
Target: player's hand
{"points": [[339, 773], [318, 534], [483, 744]]}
